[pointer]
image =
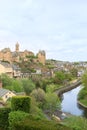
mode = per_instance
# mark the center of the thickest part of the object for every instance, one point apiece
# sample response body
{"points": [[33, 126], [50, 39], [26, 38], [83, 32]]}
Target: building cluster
{"points": [[8, 58], [7, 55]]}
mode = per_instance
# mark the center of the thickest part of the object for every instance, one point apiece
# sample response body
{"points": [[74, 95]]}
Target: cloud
{"points": [[58, 27]]}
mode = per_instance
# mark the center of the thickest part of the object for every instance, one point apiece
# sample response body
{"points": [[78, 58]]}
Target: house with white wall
{"points": [[5, 94]]}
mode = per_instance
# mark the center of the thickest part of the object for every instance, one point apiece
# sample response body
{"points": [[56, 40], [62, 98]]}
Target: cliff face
{"points": [[7, 55]]}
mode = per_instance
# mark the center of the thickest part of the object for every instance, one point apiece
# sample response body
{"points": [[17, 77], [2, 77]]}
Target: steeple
{"points": [[17, 47]]}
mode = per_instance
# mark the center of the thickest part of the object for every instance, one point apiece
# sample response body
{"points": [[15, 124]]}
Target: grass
{"points": [[76, 123]]}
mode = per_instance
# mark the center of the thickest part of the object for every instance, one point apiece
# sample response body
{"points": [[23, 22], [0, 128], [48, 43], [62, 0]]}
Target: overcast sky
{"points": [[57, 26]]}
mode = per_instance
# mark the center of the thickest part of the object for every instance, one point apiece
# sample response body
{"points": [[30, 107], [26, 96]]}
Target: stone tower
{"points": [[17, 47], [42, 57]]}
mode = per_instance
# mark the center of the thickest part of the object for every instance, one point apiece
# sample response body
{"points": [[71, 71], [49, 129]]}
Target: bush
{"points": [[76, 123], [39, 96], [51, 88], [6, 80], [36, 111], [52, 102], [30, 124], [21, 103], [4, 113], [28, 86], [16, 116]]}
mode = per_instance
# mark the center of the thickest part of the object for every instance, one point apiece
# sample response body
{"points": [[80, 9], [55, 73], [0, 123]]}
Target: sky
{"points": [[57, 26]]}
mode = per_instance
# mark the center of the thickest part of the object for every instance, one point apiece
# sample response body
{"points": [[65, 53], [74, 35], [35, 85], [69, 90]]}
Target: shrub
{"points": [[16, 116], [76, 123], [39, 95], [28, 86], [29, 124], [35, 110], [4, 113], [82, 94], [21, 103], [51, 88], [52, 102]]}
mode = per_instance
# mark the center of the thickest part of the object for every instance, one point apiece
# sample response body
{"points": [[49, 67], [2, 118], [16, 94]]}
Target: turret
{"points": [[42, 57], [17, 47]]}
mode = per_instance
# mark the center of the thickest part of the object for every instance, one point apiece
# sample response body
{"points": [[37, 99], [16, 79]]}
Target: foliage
{"points": [[28, 85], [82, 94], [11, 84], [16, 116], [84, 79], [31, 124], [82, 97], [17, 85], [4, 113], [51, 88], [39, 95], [52, 102], [35, 110], [74, 72], [6, 80], [39, 82], [21, 103], [59, 77], [77, 123]]}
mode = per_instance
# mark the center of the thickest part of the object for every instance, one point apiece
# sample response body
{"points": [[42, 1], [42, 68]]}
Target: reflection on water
{"points": [[69, 102]]}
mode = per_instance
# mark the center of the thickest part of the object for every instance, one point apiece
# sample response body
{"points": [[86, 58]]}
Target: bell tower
{"points": [[17, 47]]}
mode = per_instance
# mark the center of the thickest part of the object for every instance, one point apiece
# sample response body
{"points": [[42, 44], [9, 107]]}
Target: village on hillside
{"points": [[9, 60], [25, 63]]}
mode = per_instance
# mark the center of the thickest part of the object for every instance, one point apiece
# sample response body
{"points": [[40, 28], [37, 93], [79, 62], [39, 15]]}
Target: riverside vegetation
{"points": [[83, 93], [28, 112]]}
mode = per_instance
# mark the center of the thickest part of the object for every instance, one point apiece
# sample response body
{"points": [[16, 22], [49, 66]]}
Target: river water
{"points": [[69, 102]]}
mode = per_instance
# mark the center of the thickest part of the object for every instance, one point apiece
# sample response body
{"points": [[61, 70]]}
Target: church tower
{"points": [[17, 47]]}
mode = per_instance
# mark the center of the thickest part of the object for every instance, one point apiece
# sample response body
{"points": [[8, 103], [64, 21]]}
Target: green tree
{"points": [[59, 77], [51, 88], [74, 72], [84, 79], [39, 95], [52, 102], [17, 85], [6, 80], [28, 85]]}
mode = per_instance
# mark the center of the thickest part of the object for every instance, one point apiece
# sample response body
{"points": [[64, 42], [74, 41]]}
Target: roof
{"points": [[3, 92], [16, 67], [6, 65]]}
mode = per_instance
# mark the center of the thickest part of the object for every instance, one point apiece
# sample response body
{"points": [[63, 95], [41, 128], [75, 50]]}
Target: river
{"points": [[69, 102]]}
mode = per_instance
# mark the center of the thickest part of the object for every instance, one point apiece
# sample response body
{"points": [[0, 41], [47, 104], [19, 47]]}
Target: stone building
{"points": [[7, 55], [6, 68], [41, 57]]}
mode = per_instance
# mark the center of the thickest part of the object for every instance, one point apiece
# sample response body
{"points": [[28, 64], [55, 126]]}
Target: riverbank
{"points": [[60, 91], [82, 105], [68, 87], [82, 98]]}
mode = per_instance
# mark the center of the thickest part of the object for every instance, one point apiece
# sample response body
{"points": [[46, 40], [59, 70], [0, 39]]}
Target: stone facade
{"points": [[6, 68], [7, 55], [41, 57]]}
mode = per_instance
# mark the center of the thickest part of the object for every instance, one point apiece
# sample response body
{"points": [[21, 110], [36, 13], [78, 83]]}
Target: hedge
{"points": [[4, 113], [21, 103], [16, 116]]}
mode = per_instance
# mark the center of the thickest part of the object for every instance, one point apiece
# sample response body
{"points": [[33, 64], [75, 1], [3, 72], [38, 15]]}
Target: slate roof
{"points": [[6, 65], [15, 67], [3, 92]]}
